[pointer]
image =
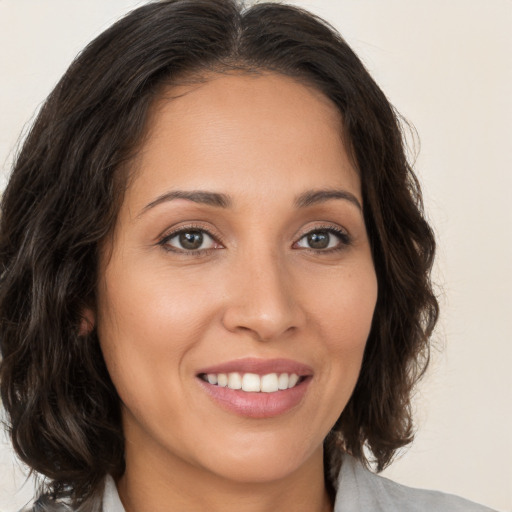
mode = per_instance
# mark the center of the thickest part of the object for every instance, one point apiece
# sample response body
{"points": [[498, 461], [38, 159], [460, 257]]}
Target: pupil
{"points": [[318, 240], [191, 239]]}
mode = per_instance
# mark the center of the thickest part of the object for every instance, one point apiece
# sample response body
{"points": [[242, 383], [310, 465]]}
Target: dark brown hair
{"points": [[66, 188]]}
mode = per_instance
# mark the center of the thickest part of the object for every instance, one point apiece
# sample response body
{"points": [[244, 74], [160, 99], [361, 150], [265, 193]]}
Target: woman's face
{"points": [[240, 258]]}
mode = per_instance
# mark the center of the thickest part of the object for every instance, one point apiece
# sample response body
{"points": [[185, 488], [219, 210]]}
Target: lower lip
{"points": [[257, 405]]}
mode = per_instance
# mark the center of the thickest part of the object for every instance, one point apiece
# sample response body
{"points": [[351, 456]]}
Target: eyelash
{"points": [[164, 241], [344, 238]]}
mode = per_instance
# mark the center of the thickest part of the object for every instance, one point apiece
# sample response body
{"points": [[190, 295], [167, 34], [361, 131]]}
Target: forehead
{"points": [[238, 131]]}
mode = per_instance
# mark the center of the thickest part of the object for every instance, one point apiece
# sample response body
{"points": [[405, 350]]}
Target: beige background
{"points": [[446, 65]]}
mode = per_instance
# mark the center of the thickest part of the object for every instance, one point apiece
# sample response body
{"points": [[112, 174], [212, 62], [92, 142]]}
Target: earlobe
{"points": [[87, 322]]}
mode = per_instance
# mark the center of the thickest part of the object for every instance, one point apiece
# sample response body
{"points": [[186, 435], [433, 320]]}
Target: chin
{"points": [[263, 461]]}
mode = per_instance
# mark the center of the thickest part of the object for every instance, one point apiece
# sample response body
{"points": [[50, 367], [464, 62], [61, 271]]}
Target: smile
{"points": [[252, 382], [257, 388]]}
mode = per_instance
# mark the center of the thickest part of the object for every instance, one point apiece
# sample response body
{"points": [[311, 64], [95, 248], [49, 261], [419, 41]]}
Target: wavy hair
{"points": [[66, 188]]}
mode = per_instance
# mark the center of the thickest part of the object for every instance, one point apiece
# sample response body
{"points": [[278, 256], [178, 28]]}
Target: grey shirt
{"points": [[360, 490]]}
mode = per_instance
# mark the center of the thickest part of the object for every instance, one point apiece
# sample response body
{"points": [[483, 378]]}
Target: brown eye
{"points": [[189, 240], [318, 240], [322, 239]]}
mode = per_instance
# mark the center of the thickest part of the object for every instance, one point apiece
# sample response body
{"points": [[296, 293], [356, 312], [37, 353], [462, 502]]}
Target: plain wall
{"points": [[446, 66]]}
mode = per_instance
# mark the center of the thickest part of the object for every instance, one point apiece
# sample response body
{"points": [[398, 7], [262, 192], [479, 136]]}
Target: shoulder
{"points": [[361, 490]]}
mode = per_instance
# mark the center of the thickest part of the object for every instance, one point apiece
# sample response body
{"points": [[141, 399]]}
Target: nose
{"points": [[262, 299]]}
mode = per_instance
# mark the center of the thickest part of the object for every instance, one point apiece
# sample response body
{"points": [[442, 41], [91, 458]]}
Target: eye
{"points": [[189, 240], [324, 239]]}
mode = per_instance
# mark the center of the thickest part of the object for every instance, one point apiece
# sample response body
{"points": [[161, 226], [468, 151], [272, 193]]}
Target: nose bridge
{"points": [[261, 298]]}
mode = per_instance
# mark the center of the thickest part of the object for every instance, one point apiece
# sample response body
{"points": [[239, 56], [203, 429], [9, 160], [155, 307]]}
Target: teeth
{"points": [[234, 381], [253, 383], [283, 380], [269, 383], [294, 378]]}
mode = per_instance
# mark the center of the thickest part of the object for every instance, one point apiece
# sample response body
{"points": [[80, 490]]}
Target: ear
{"points": [[87, 322]]}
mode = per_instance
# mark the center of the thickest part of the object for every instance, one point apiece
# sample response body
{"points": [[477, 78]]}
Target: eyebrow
{"points": [[220, 200], [196, 196], [312, 197]]}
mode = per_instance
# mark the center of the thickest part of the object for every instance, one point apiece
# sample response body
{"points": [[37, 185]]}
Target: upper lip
{"points": [[259, 366]]}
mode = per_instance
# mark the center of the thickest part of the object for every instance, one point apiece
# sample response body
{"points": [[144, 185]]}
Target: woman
{"points": [[208, 299]]}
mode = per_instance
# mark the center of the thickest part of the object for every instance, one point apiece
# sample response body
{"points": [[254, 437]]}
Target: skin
{"points": [[254, 289]]}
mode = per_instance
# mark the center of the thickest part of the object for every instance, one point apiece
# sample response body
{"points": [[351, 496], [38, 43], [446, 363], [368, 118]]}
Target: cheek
{"points": [[344, 315], [148, 307], [346, 305], [148, 322]]}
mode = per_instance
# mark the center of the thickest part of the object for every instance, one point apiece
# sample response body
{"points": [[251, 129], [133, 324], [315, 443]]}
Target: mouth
{"points": [[257, 388], [252, 382]]}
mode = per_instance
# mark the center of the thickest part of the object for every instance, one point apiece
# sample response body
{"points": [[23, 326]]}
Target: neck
{"points": [[159, 482]]}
